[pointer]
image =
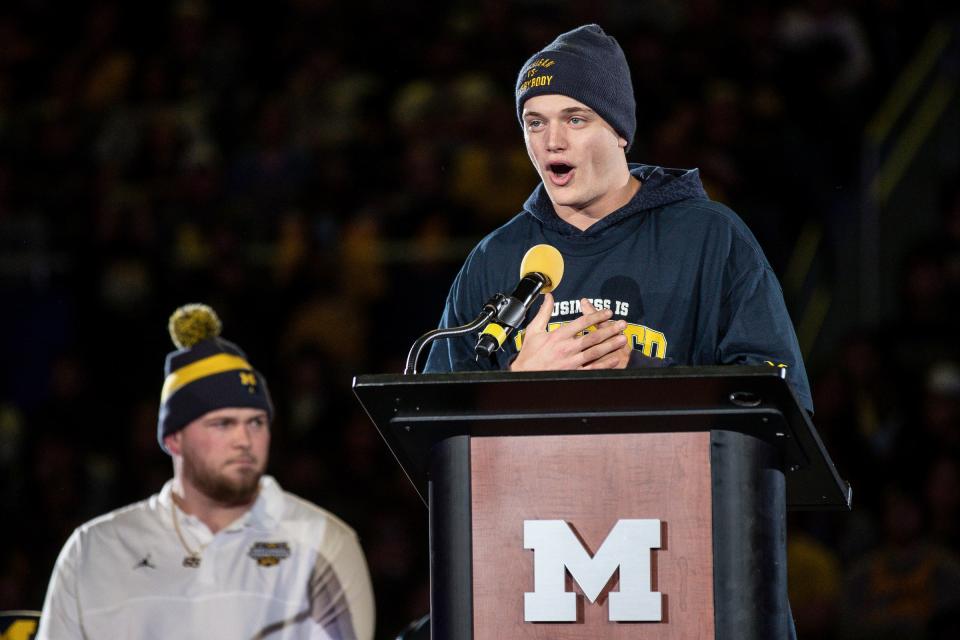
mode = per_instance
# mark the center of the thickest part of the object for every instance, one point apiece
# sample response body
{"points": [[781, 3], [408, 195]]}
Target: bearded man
{"points": [[222, 551]]}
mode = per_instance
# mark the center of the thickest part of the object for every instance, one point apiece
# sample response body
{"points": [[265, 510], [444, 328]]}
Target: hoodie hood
{"points": [[660, 188]]}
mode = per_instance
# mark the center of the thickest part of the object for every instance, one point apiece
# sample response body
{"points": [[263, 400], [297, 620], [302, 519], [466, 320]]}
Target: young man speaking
{"points": [[666, 274]]}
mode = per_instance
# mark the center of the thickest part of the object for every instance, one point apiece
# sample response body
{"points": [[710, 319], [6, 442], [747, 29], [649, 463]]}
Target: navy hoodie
{"points": [[684, 272]]}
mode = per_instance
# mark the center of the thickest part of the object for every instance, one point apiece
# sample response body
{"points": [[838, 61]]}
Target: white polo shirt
{"points": [[286, 569]]}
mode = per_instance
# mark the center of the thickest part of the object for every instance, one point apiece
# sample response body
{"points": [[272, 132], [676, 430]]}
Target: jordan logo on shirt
{"points": [[145, 563]]}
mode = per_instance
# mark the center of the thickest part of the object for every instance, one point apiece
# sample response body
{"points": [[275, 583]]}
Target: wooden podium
{"points": [[715, 454]]}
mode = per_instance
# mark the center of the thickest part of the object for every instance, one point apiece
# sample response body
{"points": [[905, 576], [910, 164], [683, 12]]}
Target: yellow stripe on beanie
{"points": [[208, 366]]}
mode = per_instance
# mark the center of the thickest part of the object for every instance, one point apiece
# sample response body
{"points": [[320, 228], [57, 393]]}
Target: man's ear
{"points": [[172, 442], [622, 142]]}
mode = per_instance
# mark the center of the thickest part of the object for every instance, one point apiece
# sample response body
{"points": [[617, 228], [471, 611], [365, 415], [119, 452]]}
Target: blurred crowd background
{"points": [[317, 170]]}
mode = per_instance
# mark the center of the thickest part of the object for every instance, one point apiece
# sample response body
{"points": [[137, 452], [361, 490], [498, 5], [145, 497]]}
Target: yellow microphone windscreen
{"points": [[543, 258]]}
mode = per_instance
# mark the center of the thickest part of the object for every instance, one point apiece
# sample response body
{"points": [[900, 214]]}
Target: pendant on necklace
{"points": [[192, 561]]}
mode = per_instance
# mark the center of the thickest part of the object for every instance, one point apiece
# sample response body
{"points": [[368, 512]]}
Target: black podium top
{"points": [[413, 413]]}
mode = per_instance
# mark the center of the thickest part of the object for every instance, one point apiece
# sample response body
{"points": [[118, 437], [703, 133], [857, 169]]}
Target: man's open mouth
{"points": [[560, 173]]}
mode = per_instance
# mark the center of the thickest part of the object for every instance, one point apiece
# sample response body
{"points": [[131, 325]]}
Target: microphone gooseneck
{"points": [[418, 347], [540, 271]]}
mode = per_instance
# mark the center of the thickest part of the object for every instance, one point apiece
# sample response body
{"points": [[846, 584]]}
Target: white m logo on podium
{"points": [[556, 549]]}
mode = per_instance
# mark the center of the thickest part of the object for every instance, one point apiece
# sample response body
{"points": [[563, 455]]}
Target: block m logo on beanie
{"points": [[249, 380]]}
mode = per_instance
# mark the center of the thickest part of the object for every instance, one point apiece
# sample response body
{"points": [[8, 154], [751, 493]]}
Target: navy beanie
{"points": [[589, 66], [206, 373]]}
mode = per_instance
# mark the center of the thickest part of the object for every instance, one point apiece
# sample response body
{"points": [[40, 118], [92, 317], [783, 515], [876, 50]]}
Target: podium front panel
{"points": [[591, 482]]}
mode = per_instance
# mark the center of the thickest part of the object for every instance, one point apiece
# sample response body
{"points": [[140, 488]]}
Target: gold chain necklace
{"points": [[192, 559]]}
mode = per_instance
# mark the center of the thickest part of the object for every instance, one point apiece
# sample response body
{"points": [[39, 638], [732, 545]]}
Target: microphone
{"points": [[540, 271]]}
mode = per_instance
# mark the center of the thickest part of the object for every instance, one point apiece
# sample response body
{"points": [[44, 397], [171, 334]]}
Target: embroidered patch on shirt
{"points": [[268, 554]]}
